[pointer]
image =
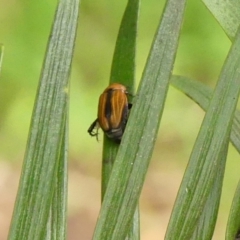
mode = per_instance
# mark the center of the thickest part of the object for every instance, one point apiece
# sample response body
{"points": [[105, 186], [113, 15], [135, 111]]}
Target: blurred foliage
{"points": [[24, 29]]}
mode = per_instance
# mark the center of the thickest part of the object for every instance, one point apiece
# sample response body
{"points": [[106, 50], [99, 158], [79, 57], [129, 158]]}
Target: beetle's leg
{"points": [[91, 129]]}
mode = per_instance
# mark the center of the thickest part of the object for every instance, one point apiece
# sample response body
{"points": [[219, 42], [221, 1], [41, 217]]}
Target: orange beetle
{"points": [[113, 111]]}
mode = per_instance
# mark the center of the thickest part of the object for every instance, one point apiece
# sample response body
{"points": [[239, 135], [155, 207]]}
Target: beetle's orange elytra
{"points": [[113, 111]]}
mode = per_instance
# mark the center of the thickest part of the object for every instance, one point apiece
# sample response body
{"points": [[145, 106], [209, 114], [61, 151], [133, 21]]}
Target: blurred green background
{"points": [[24, 31]]}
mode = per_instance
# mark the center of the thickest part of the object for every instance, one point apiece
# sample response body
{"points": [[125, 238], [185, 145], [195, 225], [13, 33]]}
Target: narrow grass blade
{"points": [[134, 233], [47, 131], [124, 59], [202, 94], [57, 219], [135, 151], [123, 71], [206, 157], [233, 225], [206, 224], [59, 201], [226, 13]]}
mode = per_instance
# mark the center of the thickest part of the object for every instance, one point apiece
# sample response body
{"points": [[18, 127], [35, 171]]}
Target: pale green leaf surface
{"points": [[47, 132], [226, 13], [198, 180], [135, 151]]}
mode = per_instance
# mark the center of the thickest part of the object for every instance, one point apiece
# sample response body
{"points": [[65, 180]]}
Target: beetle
{"points": [[113, 111]]}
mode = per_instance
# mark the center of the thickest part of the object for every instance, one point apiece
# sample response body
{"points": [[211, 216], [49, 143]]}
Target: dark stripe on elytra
{"points": [[108, 108]]}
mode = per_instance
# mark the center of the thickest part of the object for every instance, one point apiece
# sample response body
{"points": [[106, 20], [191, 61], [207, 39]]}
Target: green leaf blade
{"points": [[123, 71], [208, 149], [134, 154], [233, 225], [124, 59], [58, 218], [207, 221], [44, 147], [226, 13], [202, 94]]}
